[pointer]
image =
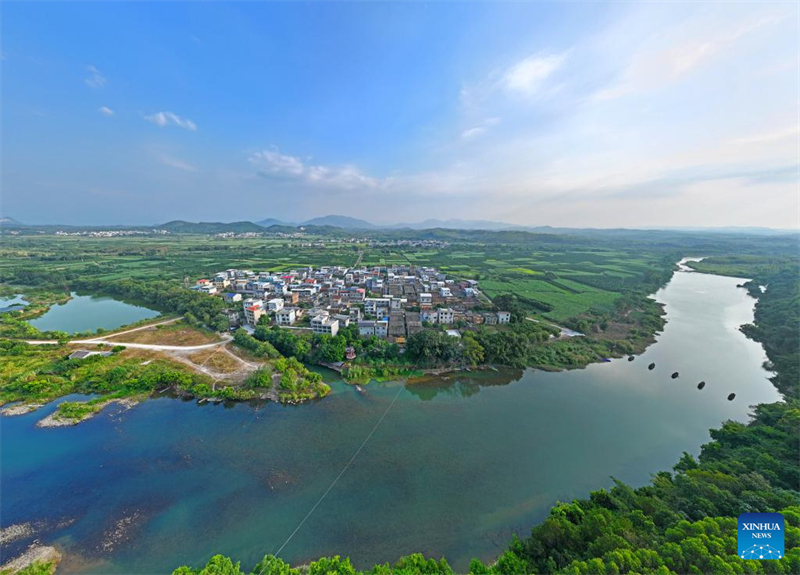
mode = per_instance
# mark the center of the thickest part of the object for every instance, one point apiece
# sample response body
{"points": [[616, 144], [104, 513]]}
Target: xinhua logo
{"points": [[761, 535]]}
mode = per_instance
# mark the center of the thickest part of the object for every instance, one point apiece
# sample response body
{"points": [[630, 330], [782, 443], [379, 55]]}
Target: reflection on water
{"points": [[89, 313], [454, 469], [462, 384]]}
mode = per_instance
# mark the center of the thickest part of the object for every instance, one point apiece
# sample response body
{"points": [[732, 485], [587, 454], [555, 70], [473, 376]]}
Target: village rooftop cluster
{"points": [[388, 302]]}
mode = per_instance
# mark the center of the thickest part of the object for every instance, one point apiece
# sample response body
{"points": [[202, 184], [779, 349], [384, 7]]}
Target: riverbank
{"points": [[36, 560]]}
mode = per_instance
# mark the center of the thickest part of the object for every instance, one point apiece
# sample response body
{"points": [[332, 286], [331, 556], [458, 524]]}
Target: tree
{"points": [[471, 349]]}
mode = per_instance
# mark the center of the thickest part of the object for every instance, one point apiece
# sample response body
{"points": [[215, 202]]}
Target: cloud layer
{"points": [[162, 119]]}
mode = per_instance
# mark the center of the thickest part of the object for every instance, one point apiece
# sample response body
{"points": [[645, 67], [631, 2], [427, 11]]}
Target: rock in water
{"points": [[675, 375], [731, 396], [630, 358], [701, 385], [651, 367]]}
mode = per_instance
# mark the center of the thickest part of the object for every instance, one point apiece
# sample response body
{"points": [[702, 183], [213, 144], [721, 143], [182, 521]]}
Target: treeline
{"points": [[777, 318]]}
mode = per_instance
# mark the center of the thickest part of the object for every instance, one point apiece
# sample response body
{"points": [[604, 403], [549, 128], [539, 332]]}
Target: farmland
{"points": [[559, 277]]}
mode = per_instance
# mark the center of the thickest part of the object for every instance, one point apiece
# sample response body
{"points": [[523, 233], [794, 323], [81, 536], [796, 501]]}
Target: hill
{"points": [[345, 222], [183, 227]]}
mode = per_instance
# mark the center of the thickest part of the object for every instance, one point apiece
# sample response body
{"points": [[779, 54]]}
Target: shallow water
{"points": [[88, 313], [453, 470]]}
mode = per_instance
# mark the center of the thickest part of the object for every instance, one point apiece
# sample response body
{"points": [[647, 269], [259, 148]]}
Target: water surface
{"points": [[88, 313], [454, 469]]}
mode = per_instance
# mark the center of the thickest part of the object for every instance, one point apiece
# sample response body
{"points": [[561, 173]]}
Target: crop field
{"points": [[568, 282], [162, 258]]}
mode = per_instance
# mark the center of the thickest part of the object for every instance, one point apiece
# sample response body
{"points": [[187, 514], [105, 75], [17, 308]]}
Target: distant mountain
{"points": [[7, 221], [183, 227], [345, 222], [457, 224], [273, 222]]}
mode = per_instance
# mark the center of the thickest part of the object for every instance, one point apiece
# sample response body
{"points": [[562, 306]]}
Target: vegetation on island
{"points": [[37, 374], [35, 568], [684, 521]]}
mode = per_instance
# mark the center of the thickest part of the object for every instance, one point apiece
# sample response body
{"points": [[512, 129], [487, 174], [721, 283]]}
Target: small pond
{"points": [[89, 313]]}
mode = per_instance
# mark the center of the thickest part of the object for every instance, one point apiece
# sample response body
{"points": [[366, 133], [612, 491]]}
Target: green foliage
{"points": [[37, 568], [297, 382], [253, 345], [285, 341], [38, 374]]}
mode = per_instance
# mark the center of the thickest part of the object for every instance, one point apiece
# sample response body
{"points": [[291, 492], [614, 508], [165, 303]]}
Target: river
{"points": [[454, 468]]}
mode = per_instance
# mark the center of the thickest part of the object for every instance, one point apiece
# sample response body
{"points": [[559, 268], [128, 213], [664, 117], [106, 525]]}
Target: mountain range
{"points": [[332, 223]]}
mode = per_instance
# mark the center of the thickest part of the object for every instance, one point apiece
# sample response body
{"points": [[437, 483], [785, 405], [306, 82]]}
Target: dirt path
{"points": [[140, 328], [152, 346]]}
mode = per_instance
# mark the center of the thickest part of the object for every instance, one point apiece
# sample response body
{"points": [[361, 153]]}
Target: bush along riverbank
{"points": [[525, 342], [684, 521]]}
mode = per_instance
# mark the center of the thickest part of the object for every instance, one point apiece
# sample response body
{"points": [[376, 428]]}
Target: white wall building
{"points": [[275, 304], [285, 316], [444, 315], [325, 325], [366, 328]]}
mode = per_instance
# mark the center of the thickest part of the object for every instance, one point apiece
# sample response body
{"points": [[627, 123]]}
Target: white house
{"points": [[275, 304], [503, 317], [373, 304], [429, 315], [382, 328], [366, 328], [325, 325], [445, 292], [253, 313], [425, 299], [444, 315], [285, 316]]}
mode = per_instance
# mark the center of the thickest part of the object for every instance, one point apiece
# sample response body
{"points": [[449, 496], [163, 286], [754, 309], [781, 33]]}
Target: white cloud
{"points": [[475, 131], [95, 78], [667, 59], [162, 119], [176, 163], [106, 111], [768, 137], [348, 177], [527, 76]]}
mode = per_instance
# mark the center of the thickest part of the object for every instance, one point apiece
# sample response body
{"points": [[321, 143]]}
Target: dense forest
{"points": [[684, 521]]}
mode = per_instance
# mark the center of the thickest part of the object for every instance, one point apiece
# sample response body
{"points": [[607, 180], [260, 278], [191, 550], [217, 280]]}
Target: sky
{"points": [[577, 114]]}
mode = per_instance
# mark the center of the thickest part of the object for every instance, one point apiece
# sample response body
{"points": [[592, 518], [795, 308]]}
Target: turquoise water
{"points": [[454, 469], [88, 313]]}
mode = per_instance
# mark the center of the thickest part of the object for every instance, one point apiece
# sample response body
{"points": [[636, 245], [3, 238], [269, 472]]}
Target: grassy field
{"points": [[178, 333]]}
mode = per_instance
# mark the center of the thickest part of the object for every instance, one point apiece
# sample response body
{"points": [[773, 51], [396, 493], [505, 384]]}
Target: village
{"points": [[392, 303]]}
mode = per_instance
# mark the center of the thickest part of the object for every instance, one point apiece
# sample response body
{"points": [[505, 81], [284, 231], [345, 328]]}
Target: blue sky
{"points": [[568, 114]]}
